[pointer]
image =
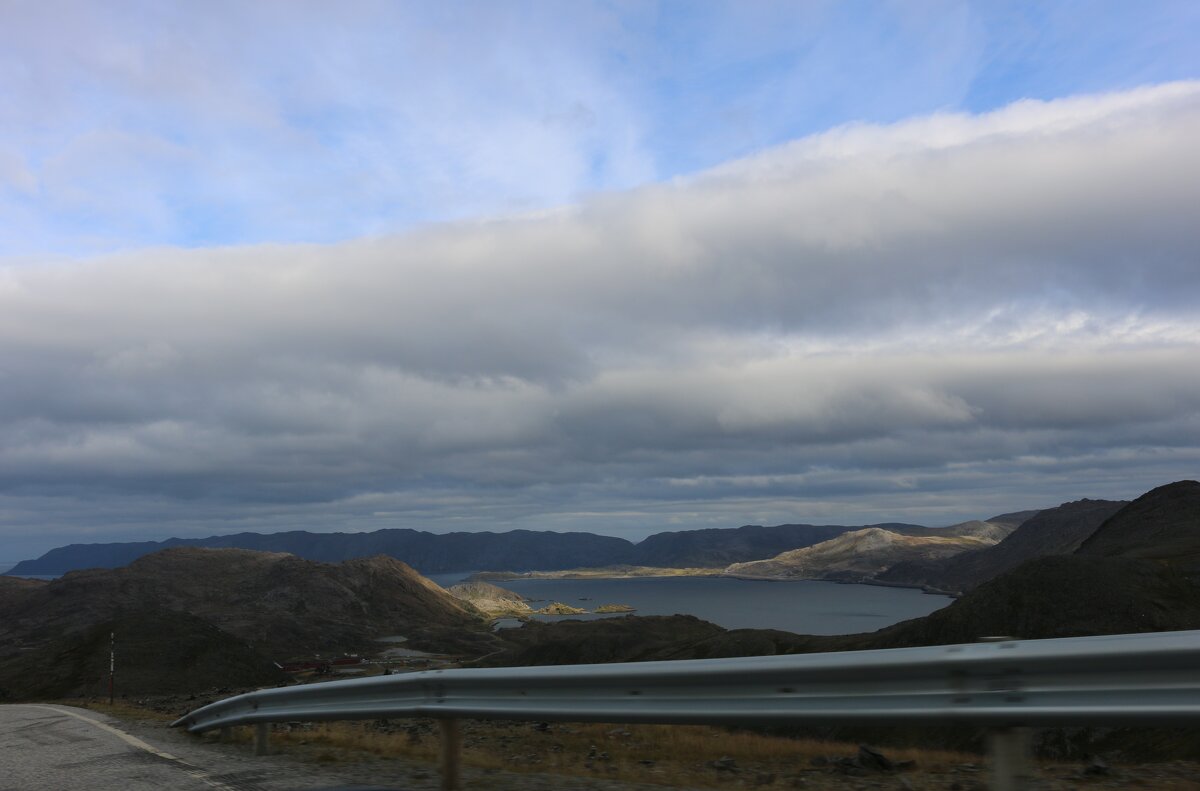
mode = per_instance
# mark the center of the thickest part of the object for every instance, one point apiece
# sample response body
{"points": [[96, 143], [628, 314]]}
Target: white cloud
{"points": [[857, 319]]}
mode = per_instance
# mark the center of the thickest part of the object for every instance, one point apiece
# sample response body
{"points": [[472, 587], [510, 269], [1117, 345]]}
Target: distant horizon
{"points": [[637, 540]]}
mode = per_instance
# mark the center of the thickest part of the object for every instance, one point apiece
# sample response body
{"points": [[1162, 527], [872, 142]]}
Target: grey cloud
{"points": [[933, 317]]}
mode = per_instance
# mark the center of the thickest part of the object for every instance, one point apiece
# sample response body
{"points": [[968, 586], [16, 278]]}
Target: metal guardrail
{"points": [[1121, 679]]}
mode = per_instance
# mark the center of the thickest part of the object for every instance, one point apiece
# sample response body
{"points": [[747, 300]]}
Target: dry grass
{"points": [[669, 755], [121, 709]]}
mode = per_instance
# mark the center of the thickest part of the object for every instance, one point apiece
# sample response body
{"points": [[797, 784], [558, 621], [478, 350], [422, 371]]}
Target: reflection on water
{"points": [[802, 606]]}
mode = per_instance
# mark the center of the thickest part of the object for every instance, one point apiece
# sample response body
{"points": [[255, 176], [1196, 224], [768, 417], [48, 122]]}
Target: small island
{"points": [[558, 608], [611, 608]]}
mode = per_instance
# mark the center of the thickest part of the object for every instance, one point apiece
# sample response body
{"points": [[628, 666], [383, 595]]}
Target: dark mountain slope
{"points": [[1163, 524], [1059, 596], [158, 652], [1054, 531], [189, 619], [279, 603]]}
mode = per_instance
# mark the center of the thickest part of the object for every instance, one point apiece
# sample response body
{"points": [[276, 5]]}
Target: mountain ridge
{"points": [[514, 550]]}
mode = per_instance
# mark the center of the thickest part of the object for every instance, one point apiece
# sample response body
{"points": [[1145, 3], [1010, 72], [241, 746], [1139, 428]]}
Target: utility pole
{"points": [[112, 664]]}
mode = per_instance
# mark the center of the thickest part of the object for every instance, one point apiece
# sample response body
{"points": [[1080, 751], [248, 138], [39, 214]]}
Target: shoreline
{"points": [[646, 572]]}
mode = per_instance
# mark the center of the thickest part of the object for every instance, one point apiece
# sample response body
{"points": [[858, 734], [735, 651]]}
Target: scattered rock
{"points": [[1097, 766], [724, 764], [870, 758]]}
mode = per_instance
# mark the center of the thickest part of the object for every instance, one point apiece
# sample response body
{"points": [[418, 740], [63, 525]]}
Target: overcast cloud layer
{"points": [[943, 318]]}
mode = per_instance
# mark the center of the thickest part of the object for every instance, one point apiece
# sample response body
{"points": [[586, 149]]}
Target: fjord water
{"points": [[800, 606]]}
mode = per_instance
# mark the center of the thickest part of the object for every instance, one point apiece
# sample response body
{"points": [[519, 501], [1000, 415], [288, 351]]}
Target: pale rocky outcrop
{"points": [[861, 554], [492, 600]]}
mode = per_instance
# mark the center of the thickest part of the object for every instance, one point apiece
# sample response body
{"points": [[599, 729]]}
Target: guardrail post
{"points": [[1011, 752], [260, 738], [450, 754], [226, 734]]}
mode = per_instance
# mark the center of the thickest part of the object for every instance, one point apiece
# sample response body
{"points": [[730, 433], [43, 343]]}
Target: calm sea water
{"points": [[801, 606]]}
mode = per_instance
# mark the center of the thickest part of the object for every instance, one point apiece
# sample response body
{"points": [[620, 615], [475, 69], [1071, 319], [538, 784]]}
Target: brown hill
{"points": [[276, 602], [1054, 531], [158, 652], [1163, 524], [863, 554]]}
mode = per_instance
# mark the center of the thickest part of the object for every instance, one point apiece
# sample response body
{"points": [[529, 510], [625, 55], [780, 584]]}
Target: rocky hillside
{"points": [[1163, 524], [1054, 531], [158, 652], [491, 600], [1059, 596], [863, 554], [273, 605]]}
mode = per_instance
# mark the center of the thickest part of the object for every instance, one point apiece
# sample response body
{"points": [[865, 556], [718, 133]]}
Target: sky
{"points": [[621, 267]]}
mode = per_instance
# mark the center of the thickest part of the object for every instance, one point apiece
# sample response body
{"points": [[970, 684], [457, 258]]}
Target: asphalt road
{"points": [[60, 748]]}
